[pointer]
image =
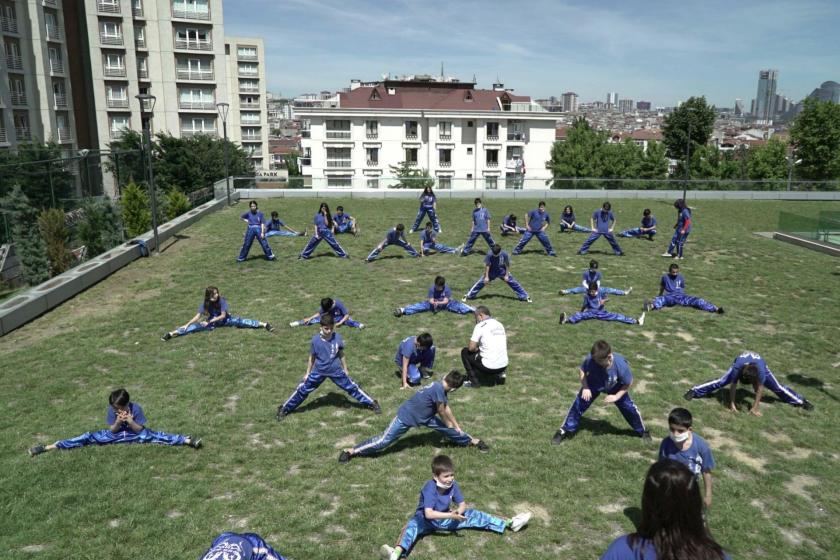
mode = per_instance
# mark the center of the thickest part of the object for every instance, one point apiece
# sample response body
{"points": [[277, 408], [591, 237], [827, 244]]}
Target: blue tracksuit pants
{"points": [[281, 233], [397, 428], [253, 232], [231, 321], [378, 249], [625, 404], [601, 315], [528, 235], [418, 526], [325, 235], [582, 290], [105, 437], [511, 281], [432, 217], [678, 242], [785, 393], [424, 359], [637, 232], [453, 306], [439, 247], [670, 300], [575, 227], [314, 380], [507, 230], [471, 241], [349, 322], [594, 236], [347, 227]]}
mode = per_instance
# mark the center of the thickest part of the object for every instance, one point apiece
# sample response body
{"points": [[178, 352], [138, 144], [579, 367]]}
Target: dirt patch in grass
{"points": [[799, 485], [684, 336], [776, 437], [717, 440], [539, 512], [32, 548], [614, 507]]}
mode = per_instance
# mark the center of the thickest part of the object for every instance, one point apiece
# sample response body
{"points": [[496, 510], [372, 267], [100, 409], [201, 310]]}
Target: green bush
{"points": [[100, 229], [29, 246], [177, 203], [55, 235], [136, 215]]}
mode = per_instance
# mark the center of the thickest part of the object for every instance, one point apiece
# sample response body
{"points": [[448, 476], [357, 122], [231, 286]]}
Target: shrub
{"points": [[136, 215], [176, 203], [55, 235], [29, 246], [100, 228]]}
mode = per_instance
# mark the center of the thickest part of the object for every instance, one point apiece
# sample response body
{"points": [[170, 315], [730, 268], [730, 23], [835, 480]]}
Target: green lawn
{"points": [[777, 484]]}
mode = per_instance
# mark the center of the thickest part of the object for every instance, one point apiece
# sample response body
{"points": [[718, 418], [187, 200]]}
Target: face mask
{"points": [[325, 335], [679, 438], [444, 486]]}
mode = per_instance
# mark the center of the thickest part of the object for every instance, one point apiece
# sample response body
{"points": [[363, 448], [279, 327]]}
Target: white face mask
{"points": [[679, 438], [444, 485]]}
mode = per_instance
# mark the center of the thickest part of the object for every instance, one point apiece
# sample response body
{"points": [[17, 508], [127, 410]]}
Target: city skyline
{"points": [[662, 53]]}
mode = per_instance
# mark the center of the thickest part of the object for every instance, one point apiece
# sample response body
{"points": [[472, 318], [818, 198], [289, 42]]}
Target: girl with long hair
{"points": [[323, 231], [214, 312]]}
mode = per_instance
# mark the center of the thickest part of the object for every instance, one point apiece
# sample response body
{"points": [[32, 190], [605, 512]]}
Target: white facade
{"points": [[247, 120]]}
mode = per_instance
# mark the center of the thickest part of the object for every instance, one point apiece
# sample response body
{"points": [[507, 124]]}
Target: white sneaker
{"points": [[294, 324], [628, 290], [519, 521], [361, 326], [389, 552], [411, 230], [529, 300], [464, 299], [459, 249], [642, 319], [669, 255]]}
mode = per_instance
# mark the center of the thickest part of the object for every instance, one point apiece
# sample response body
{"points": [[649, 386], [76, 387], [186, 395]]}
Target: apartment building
{"points": [[35, 95], [248, 116], [465, 137]]}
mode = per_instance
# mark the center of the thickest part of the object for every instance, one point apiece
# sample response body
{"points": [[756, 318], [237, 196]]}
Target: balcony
{"points": [[137, 9], [251, 138], [18, 97], [190, 74], [305, 133], [516, 136], [23, 134], [255, 153], [247, 57], [339, 163], [446, 136], [445, 164], [338, 134], [243, 73], [115, 133], [251, 123], [249, 89], [373, 163], [56, 67], [140, 43], [372, 135], [111, 39], [515, 164], [116, 102], [197, 105], [182, 12], [50, 2], [14, 62], [63, 134], [105, 7], [143, 73], [188, 132], [54, 33], [8, 24], [3, 138], [492, 137], [250, 105], [493, 164], [193, 45], [114, 72], [60, 99], [411, 135]]}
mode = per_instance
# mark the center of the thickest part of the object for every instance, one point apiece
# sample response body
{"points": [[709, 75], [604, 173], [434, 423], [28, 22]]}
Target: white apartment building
{"points": [[466, 138], [248, 117]]}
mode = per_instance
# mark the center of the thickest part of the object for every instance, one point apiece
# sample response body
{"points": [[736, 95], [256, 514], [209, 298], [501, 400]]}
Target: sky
{"points": [[658, 51]]}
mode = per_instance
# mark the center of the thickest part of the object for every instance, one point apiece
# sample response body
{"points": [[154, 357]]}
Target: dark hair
{"points": [[606, 206], [674, 266], [425, 340], [496, 249], [327, 215], [592, 286], [600, 350], [569, 208], [400, 227], [454, 379], [327, 303], [428, 224], [428, 190], [212, 307], [749, 374], [680, 417], [542, 203], [442, 464], [339, 208], [593, 264], [483, 310], [476, 201], [327, 320], [672, 515], [440, 281], [254, 202], [512, 217], [274, 214], [118, 397], [679, 204], [646, 212]]}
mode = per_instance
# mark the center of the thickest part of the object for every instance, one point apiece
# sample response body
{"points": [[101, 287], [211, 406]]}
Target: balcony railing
{"points": [[513, 164], [492, 137], [411, 164], [116, 102], [245, 56], [3, 138], [50, 2], [115, 133], [23, 133], [110, 39], [14, 62], [187, 132], [8, 24], [53, 33], [306, 161], [338, 134], [255, 153], [251, 137], [250, 123], [186, 13], [492, 164], [197, 105], [60, 99], [446, 136], [137, 11], [108, 7], [18, 97], [411, 135], [250, 105], [187, 74], [140, 43], [114, 71], [63, 134], [516, 136], [248, 73], [249, 89], [372, 135], [333, 163], [193, 45], [306, 133], [373, 163], [143, 73], [56, 67], [445, 164]]}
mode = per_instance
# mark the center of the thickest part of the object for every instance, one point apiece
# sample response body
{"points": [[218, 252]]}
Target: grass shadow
{"points": [[491, 296], [809, 381], [599, 427], [334, 400], [741, 396], [426, 438], [172, 241]]}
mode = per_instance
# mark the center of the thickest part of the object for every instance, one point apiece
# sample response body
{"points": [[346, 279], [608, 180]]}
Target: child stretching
{"points": [[126, 424], [672, 292], [415, 359], [344, 223], [688, 448], [681, 230], [509, 227], [395, 236], [217, 313], [593, 276], [439, 299], [568, 223], [256, 230], [428, 242], [428, 205], [442, 508], [648, 227], [323, 231], [480, 227], [336, 308], [497, 265], [602, 223], [277, 227], [593, 308], [240, 546]]}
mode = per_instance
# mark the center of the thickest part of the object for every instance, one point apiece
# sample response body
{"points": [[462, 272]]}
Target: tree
{"points": [[126, 162], [411, 177], [39, 170], [654, 164], [579, 155], [815, 135], [177, 203], [29, 246], [196, 162], [55, 236], [100, 228], [768, 161], [295, 176], [136, 215], [675, 127]]}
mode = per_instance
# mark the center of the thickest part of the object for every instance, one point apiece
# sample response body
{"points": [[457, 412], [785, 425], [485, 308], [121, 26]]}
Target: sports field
{"points": [[777, 483]]}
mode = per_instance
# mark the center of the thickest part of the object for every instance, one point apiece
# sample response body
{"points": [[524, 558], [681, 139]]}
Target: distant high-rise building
{"points": [[752, 107], [765, 99], [643, 105], [612, 98], [828, 91], [782, 104], [248, 117], [570, 102], [739, 107], [625, 105]]}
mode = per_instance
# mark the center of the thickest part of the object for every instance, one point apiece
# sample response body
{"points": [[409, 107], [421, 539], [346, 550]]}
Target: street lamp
{"points": [[146, 124], [223, 109], [791, 163], [688, 153]]}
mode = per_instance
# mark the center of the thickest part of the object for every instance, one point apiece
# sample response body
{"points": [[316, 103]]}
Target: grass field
{"points": [[777, 484]]}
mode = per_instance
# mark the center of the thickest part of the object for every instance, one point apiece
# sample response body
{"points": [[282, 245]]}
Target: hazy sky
{"points": [[661, 51]]}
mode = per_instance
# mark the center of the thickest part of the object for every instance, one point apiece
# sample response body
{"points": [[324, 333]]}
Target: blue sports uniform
{"points": [[481, 227], [437, 295], [125, 435], [765, 378], [647, 223], [393, 237], [229, 321], [419, 410], [338, 311], [240, 546], [499, 265], [698, 457], [674, 294], [417, 358], [681, 232], [428, 241], [593, 308], [536, 220], [327, 356], [603, 221], [276, 227], [255, 222], [322, 231], [427, 206], [343, 223], [589, 277], [430, 497], [509, 227], [568, 222], [609, 381], [641, 549]]}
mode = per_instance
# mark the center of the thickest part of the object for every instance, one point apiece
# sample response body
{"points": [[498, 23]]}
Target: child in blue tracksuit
{"points": [[326, 361], [240, 546], [593, 308], [681, 230], [277, 227], [442, 508], [344, 223], [648, 227], [323, 231], [336, 308], [672, 292], [256, 230], [603, 371], [568, 222], [509, 227], [688, 448], [415, 359], [480, 227], [593, 276], [497, 265], [395, 236], [602, 223], [427, 407], [439, 299], [126, 424], [537, 221], [428, 242], [214, 312], [428, 205], [749, 367]]}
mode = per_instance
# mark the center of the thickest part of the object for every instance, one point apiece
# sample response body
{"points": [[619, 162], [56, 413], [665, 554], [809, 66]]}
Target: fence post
{"points": [[52, 190]]}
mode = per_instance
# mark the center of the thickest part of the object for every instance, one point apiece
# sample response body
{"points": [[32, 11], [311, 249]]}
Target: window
{"points": [[491, 183], [110, 29], [249, 85], [142, 67], [444, 183], [339, 157], [469, 151], [116, 95], [445, 158], [140, 36], [372, 155], [114, 61], [445, 130], [248, 70], [198, 125], [492, 158], [411, 156], [373, 183], [117, 124], [411, 129], [338, 129], [372, 129], [492, 131], [469, 124], [516, 131], [340, 181], [246, 53], [306, 157]]}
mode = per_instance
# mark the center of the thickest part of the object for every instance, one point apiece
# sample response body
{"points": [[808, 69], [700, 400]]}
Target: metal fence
{"points": [[825, 228]]}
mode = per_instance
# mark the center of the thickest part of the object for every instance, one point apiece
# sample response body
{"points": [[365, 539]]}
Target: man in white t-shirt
{"points": [[486, 356]]}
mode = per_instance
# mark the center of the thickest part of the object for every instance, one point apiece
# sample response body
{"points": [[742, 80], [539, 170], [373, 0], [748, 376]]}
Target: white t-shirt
{"points": [[490, 336]]}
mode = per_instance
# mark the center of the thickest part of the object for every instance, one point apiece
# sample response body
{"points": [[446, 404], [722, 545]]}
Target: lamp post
{"points": [[688, 154], [223, 109], [791, 163], [146, 124]]}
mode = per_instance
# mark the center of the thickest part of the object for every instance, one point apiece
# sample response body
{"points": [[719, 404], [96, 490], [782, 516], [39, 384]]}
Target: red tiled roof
{"points": [[560, 133], [284, 145], [419, 97], [646, 134]]}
